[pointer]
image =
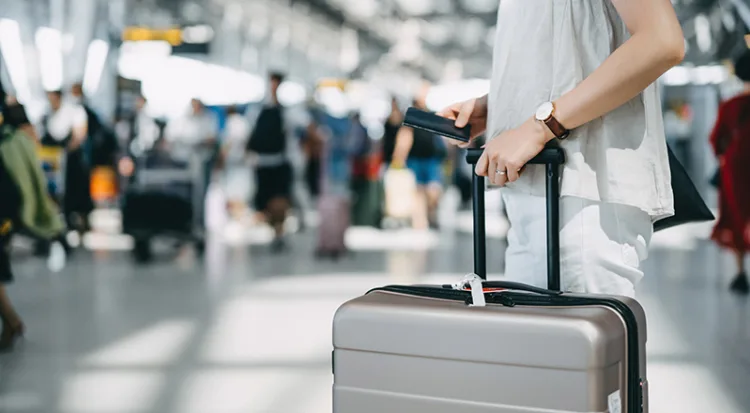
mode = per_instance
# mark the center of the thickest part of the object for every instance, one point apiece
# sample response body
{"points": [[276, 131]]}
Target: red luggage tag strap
{"points": [[475, 286]]}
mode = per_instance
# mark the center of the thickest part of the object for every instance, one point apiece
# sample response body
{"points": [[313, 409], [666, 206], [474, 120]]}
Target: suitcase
{"points": [[334, 221], [491, 347], [367, 202]]}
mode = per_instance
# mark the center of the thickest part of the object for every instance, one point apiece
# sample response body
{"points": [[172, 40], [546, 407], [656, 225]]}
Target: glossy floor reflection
{"points": [[244, 332]]}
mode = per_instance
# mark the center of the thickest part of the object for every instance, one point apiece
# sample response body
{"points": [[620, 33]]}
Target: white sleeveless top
{"points": [[543, 49]]}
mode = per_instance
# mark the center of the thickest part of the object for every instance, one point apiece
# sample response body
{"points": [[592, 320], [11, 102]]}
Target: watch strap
{"points": [[557, 129]]}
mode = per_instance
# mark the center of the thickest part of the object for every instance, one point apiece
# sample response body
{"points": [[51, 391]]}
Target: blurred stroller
{"points": [[164, 198]]}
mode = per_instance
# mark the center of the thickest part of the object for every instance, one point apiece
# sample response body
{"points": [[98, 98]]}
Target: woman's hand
{"points": [[506, 154], [472, 112]]}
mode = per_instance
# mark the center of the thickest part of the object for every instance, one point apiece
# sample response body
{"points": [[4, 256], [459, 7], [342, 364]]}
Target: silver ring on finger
{"points": [[499, 172]]}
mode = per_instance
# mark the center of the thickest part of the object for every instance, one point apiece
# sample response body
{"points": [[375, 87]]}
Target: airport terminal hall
{"points": [[374, 206]]}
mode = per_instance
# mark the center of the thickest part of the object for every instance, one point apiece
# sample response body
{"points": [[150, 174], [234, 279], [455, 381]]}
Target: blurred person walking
{"points": [[390, 131], [101, 143], [312, 145], [186, 135], [421, 151], [275, 150], [12, 325], [66, 126], [367, 197], [238, 174], [138, 134], [15, 117], [26, 206], [141, 130], [730, 140]]}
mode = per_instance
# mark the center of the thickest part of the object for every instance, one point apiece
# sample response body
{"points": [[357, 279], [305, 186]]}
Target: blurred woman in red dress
{"points": [[731, 142]]}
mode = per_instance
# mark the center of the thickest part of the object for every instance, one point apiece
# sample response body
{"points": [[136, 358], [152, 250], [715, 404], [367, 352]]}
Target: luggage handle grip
{"points": [[550, 156], [514, 286]]}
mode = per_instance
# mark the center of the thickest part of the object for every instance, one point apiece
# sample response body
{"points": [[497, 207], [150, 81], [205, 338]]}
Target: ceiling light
{"points": [[96, 58], [416, 7], [49, 43], [292, 93], [677, 76], [703, 33], [363, 9], [729, 21], [197, 34], [15, 61], [480, 6]]}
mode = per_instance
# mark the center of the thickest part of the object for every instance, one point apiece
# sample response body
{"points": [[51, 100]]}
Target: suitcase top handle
{"points": [[550, 156]]}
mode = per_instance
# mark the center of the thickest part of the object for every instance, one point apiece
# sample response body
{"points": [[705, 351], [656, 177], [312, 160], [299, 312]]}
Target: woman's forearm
{"points": [[625, 74], [404, 142], [656, 45]]}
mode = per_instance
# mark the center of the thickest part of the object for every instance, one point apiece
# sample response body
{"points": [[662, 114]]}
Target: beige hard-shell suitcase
{"points": [[491, 347]]}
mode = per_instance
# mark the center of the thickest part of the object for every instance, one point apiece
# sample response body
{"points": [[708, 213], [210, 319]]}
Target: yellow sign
{"points": [[51, 155], [332, 83], [172, 36]]}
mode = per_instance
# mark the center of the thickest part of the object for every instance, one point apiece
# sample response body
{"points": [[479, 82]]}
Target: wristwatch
{"points": [[545, 113]]}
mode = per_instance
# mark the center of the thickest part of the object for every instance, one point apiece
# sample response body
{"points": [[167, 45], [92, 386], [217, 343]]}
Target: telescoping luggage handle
{"points": [[552, 158]]}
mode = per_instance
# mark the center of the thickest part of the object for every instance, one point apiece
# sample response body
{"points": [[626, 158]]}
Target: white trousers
{"points": [[602, 245]]}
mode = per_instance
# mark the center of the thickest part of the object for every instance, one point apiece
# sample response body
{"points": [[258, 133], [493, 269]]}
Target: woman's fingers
{"points": [[513, 172], [501, 172], [492, 168], [451, 112], [467, 108], [482, 165]]}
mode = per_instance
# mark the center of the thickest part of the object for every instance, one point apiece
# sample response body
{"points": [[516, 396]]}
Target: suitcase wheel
{"points": [[142, 250], [334, 255], [200, 247]]}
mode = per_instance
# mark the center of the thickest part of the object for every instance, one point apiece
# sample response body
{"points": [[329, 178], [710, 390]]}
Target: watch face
{"points": [[545, 111]]}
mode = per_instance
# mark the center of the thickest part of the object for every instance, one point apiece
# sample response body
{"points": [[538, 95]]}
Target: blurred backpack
{"points": [[268, 135], [103, 144]]}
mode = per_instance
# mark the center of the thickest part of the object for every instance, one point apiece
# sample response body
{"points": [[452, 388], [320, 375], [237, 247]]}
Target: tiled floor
{"points": [[245, 332]]}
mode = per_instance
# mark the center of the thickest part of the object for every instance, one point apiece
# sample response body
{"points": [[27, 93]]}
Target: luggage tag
{"points": [[475, 285]]}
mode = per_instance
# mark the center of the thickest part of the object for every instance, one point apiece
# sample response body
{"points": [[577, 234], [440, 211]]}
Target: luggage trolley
{"points": [[165, 198]]}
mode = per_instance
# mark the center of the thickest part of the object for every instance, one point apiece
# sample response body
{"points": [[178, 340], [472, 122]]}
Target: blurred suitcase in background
{"points": [[367, 191], [491, 347], [334, 215], [367, 202]]}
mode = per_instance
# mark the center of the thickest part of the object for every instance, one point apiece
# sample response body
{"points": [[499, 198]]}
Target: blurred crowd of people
{"points": [[269, 159]]}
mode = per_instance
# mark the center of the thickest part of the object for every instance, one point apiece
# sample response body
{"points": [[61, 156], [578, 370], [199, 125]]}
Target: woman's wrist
{"points": [[482, 103], [539, 130]]}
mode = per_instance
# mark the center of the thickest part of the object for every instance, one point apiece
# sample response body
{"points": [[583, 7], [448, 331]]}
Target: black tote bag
{"points": [[689, 206]]}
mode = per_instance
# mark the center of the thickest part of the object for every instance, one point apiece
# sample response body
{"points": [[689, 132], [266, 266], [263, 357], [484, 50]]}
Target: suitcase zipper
{"points": [[513, 299]]}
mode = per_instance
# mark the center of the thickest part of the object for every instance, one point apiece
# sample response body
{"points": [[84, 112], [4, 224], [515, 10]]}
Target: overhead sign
{"points": [[175, 36], [172, 36]]}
